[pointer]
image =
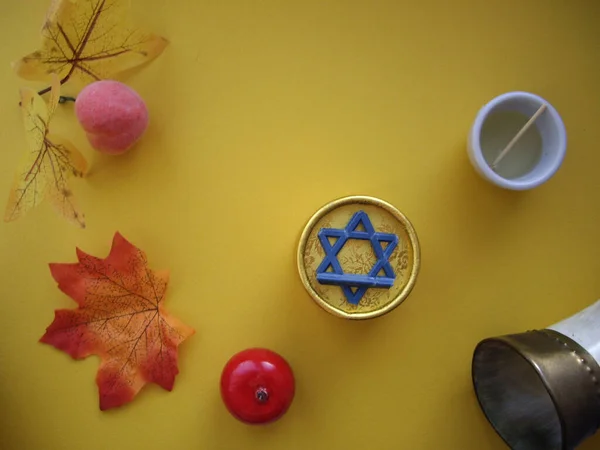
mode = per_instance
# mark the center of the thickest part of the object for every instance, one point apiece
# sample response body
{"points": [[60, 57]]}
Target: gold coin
{"points": [[358, 257]]}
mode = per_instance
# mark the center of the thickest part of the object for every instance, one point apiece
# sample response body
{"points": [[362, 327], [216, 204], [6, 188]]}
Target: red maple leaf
{"points": [[121, 319]]}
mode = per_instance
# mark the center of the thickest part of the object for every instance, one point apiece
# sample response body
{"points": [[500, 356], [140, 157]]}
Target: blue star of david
{"points": [[355, 286]]}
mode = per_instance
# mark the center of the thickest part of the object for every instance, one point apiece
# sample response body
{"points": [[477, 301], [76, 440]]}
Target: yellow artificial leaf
{"points": [[49, 162], [88, 40], [54, 95]]}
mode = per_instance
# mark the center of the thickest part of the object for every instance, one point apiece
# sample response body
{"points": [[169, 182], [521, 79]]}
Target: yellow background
{"points": [[262, 111]]}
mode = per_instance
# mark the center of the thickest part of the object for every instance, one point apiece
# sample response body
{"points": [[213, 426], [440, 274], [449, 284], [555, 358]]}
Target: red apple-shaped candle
{"points": [[257, 386], [112, 114]]}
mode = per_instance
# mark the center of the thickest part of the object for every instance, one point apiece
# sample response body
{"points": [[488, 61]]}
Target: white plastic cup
{"points": [[549, 125]]}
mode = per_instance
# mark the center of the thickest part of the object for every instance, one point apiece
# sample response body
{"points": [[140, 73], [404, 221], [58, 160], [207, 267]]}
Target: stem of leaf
{"points": [[43, 91], [62, 98]]}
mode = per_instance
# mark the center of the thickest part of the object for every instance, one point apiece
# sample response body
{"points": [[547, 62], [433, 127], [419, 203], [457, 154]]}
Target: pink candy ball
{"points": [[112, 114]]}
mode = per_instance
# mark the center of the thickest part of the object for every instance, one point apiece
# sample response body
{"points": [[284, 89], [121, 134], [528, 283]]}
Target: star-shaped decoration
{"points": [[355, 286]]}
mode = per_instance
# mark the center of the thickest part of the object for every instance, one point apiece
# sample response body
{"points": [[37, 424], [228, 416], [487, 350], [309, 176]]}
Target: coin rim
{"points": [[365, 200]]}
